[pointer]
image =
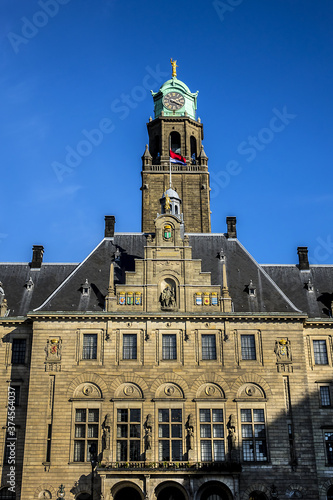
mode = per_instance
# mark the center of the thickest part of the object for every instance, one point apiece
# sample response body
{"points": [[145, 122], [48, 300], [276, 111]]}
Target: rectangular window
{"points": [[325, 397], [248, 347], [86, 434], [211, 435], [129, 346], [48, 443], [329, 447], [128, 434], [320, 352], [170, 435], [89, 346], [253, 435], [18, 351], [208, 346], [169, 346]]}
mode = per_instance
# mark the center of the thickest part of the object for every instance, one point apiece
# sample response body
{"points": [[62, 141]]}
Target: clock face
{"points": [[173, 101]]}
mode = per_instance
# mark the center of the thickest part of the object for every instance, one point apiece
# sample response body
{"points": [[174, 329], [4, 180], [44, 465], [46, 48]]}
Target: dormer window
{"points": [[117, 255], [252, 289], [85, 288], [29, 284], [309, 286]]}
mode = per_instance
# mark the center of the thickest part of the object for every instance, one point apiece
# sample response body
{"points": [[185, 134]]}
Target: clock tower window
{"points": [[175, 142], [193, 143]]}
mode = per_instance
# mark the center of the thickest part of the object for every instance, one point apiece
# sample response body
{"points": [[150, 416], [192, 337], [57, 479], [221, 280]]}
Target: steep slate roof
{"points": [[14, 277], [241, 268], [96, 269], [316, 303]]}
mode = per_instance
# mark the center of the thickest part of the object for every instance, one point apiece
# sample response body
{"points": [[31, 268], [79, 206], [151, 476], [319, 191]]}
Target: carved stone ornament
{"points": [[251, 391], [128, 390], [282, 350], [210, 390], [87, 390], [169, 390], [53, 350]]}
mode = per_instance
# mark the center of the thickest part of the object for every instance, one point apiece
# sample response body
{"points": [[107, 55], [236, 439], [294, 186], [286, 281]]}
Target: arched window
{"points": [[156, 150], [193, 143], [330, 493], [175, 142]]}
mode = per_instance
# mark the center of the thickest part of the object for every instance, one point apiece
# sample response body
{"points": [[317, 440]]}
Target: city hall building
{"points": [[169, 364]]}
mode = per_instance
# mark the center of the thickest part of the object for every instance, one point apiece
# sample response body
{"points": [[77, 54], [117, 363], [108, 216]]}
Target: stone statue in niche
{"points": [[232, 437], [168, 299], [148, 437], [107, 432], [190, 436]]}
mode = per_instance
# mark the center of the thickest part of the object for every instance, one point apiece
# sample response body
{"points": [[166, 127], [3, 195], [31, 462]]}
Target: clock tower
{"points": [[176, 128]]}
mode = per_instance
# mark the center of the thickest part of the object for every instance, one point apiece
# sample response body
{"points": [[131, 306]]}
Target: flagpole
{"points": [[170, 158]]}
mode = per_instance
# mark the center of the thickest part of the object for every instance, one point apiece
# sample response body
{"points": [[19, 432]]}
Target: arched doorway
{"points": [[171, 493], [214, 490], [127, 493], [257, 495], [84, 496], [330, 493]]}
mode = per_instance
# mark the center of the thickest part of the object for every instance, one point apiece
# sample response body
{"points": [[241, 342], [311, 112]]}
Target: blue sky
{"points": [[264, 74]]}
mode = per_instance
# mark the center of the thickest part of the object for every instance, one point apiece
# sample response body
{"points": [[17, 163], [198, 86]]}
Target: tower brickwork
{"points": [[175, 127]]}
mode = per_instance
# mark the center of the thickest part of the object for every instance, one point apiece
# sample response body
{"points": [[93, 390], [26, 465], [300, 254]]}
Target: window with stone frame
{"points": [[320, 352], [170, 434], [212, 446], [248, 347], [86, 433], [328, 436], [208, 346], [325, 396], [18, 351], [89, 350], [169, 346], [128, 434], [253, 432], [129, 346]]}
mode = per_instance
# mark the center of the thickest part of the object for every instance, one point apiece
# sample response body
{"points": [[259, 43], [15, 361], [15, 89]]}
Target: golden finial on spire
{"points": [[174, 67]]}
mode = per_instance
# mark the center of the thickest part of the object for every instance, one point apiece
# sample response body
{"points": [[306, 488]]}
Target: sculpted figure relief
{"points": [[168, 297]]}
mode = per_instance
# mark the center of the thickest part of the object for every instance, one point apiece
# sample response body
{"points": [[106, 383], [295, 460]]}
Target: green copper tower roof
{"points": [[175, 99]]}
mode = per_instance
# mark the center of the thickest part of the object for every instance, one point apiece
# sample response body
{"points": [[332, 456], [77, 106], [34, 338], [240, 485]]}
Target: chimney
{"points": [[231, 227], [109, 226], [37, 257], [303, 258]]}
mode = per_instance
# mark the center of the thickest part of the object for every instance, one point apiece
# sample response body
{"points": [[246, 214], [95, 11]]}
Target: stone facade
{"points": [[167, 365]]}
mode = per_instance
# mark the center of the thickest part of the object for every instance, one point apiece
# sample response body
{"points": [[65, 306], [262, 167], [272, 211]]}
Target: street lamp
{"points": [[93, 461], [61, 492]]}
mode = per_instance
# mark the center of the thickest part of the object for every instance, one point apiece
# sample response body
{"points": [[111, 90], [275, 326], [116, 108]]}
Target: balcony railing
{"points": [[181, 466]]}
